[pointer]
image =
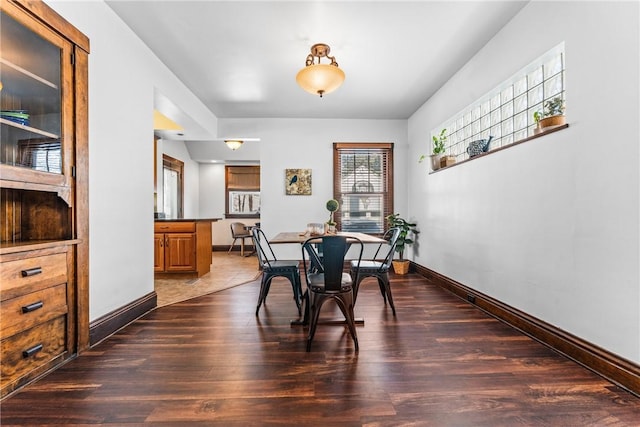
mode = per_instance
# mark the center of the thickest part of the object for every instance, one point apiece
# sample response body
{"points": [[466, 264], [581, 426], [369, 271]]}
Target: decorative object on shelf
{"points": [[479, 146], [537, 116], [16, 116], [553, 113], [320, 78], [438, 150], [297, 182], [234, 144], [332, 206], [447, 160], [401, 265]]}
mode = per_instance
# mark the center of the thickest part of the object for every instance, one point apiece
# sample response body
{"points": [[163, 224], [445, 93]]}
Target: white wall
{"points": [[308, 144], [212, 190], [550, 227], [212, 203], [123, 74], [297, 143]]}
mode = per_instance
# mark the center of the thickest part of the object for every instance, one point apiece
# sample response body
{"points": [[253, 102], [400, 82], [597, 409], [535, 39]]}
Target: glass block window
{"points": [[506, 112]]}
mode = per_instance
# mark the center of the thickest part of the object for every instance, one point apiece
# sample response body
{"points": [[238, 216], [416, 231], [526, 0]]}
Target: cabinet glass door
{"points": [[30, 99]]}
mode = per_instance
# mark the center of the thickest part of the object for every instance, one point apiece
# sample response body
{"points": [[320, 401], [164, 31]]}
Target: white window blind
{"points": [[363, 185]]}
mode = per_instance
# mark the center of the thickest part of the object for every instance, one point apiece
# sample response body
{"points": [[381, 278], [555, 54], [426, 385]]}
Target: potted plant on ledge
{"points": [[401, 265], [438, 150], [537, 116], [553, 113]]}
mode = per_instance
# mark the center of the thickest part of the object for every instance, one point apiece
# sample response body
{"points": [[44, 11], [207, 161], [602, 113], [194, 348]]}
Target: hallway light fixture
{"points": [[320, 78], [234, 144]]}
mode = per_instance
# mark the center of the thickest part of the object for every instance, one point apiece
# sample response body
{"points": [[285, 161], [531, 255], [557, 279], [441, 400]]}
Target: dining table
{"points": [[301, 237], [289, 237]]}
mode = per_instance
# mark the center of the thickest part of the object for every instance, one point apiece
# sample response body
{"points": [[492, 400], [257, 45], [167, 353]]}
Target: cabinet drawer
{"points": [[27, 311], [30, 349], [47, 269], [175, 227]]}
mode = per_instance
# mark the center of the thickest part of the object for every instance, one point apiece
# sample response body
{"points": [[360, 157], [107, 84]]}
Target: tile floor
{"points": [[227, 270]]}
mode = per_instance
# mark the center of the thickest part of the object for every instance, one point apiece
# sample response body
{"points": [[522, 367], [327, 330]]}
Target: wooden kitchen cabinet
{"points": [[43, 194], [182, 246]]}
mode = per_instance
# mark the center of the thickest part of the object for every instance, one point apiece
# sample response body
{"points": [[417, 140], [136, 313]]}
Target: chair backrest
{"points": [[334, 250], [391, 236], [263, 248], [238, 229]]}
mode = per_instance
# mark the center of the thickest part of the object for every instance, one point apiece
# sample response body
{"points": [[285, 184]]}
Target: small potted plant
{"points": [[537, 116], [401, 265], [332, 206], [438, 150], [553, 113]]}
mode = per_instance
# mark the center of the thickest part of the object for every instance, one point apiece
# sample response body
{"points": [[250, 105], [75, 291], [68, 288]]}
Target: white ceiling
{"points": [[241, 57]]}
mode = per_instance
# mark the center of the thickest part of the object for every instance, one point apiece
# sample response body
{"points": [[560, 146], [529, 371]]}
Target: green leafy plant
{"points": [[439, 141], [332, 206], [537, 116], [407, 229], [553, 107], [438, 144]]}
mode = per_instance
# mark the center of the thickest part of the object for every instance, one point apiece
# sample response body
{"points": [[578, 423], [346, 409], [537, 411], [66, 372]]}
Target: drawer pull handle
{"points": [[31, 351], [31, 272], [32, 307]]}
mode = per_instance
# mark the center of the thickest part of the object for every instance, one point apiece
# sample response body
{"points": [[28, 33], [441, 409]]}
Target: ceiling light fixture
{"points": [[234, 144], [320, 78]]}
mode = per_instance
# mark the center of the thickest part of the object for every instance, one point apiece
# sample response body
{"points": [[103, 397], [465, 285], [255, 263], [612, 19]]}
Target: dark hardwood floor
{"points": [[211, 361]]}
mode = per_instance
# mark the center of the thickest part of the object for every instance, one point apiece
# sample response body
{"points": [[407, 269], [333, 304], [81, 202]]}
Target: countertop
{"points": [[186, 219]]}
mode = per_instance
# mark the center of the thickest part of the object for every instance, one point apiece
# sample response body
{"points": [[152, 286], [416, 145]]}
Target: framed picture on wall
{"points": [[297, 182]]}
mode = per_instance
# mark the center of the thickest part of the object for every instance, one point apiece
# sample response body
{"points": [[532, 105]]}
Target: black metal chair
{"points": [[272, 267], [239, 231], [329, 281], [377, 268]]}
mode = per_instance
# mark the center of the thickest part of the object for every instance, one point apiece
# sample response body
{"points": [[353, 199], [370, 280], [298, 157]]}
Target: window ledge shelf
{"points": [[504, 147]]}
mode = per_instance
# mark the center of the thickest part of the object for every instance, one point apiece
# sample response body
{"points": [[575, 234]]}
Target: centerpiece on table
{"points": [[332, 206]]}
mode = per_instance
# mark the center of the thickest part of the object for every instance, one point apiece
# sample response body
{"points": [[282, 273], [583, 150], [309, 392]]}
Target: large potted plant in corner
{"points": [[407, 229]]}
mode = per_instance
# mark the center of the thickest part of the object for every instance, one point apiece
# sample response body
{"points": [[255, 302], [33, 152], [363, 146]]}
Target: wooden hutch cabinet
{"points": [[43, 192]]}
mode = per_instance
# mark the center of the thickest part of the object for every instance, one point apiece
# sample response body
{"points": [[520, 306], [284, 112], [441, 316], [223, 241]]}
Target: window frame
{"points": [[386, 149], [496, 113], [250, 185], [177, 166]]}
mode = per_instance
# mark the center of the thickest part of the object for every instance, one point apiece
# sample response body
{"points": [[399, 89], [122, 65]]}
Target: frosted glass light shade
{"points": [[234, 144], [320, 79]]}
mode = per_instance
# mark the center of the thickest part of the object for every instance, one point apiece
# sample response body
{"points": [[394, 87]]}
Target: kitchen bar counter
{"points": [[186, 219], [182, 246]]}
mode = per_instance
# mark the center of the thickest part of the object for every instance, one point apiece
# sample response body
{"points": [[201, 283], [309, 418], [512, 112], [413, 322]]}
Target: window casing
{"points": [[363, 185], [506, 112], [173, 187], [242, 190]]}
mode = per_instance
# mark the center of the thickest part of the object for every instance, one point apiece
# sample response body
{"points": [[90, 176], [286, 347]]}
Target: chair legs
{"points": [[241, 245], [345, 303], [265, 285], [384, 285]]}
